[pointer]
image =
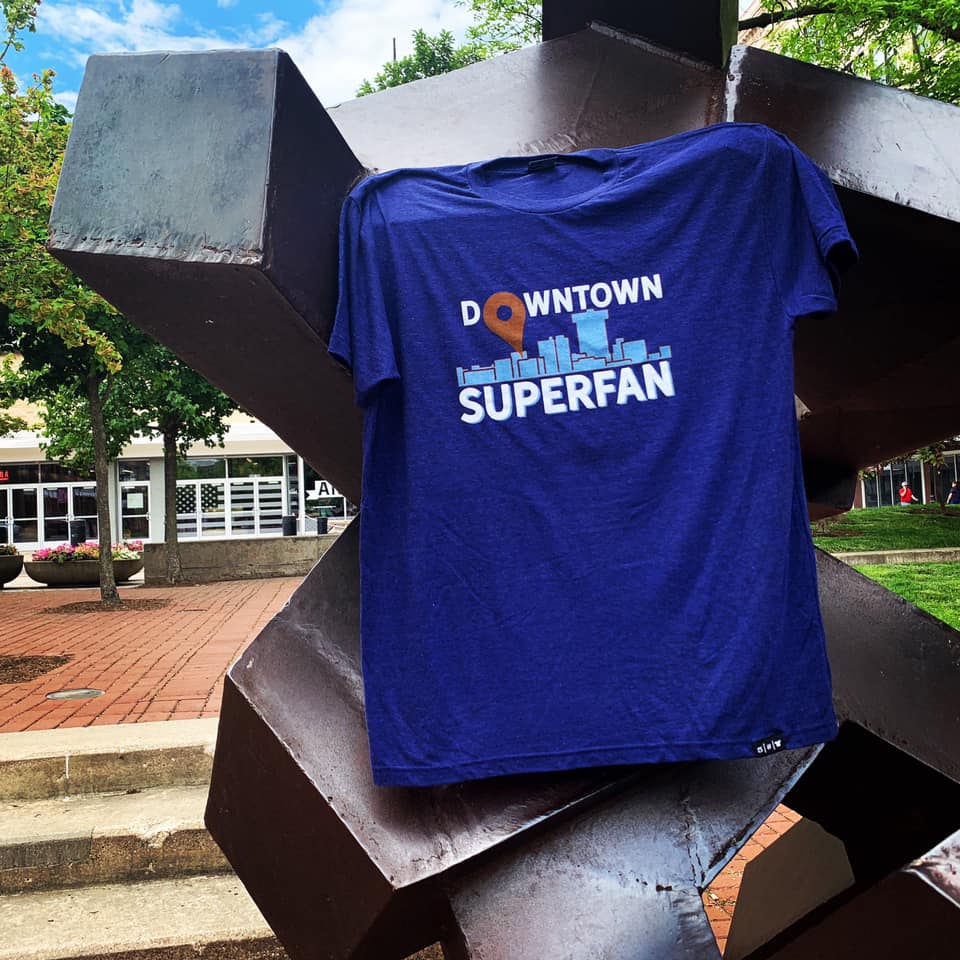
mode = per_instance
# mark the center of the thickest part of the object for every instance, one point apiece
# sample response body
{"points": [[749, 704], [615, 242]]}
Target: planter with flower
{"points": [[11, 563], [79, 566]]}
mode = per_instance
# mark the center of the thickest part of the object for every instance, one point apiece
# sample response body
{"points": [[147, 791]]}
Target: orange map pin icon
{"points": [[510, 329]]}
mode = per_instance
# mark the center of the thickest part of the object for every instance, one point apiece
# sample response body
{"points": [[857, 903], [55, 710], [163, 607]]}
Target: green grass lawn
{"points": [[889, 528], [934, 587]]}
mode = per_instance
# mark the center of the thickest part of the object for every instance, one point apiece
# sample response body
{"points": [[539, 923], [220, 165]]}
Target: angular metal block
{"points": [[595, 88], [896, 670], [873, 139], [702, 29], [878, 379], [201, 195], [915, 912]]}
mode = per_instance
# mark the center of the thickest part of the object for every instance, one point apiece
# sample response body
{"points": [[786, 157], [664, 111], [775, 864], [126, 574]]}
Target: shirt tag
{"points": [[541, 163], [771, 744]]}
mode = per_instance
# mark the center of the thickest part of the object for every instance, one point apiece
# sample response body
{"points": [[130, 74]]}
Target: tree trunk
{"points": [[108, 584], [171, 538]]}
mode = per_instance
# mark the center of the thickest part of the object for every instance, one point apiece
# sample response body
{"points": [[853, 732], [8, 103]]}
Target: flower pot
{"points": [[78, 573], [10, 568]]}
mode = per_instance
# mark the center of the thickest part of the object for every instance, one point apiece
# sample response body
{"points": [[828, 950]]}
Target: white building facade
{"points": [[244, 489]]}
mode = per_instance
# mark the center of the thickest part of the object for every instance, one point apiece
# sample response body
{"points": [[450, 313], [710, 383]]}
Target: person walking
{"points": [[906, 495], [953, 495]]}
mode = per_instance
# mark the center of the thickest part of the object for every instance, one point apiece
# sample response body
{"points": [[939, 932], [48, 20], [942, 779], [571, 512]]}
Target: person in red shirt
{"points": [[906, 495]]}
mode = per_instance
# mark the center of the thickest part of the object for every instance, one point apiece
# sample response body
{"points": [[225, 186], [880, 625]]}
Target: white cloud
{"points": [[68, 98], [107, 27], [335, 50], [223, 4]]}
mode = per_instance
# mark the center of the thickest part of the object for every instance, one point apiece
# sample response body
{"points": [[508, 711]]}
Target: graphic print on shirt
{"points": [[576, 369]]}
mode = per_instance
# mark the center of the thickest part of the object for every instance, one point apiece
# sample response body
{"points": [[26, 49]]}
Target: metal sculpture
{"points": [[200, 193]]}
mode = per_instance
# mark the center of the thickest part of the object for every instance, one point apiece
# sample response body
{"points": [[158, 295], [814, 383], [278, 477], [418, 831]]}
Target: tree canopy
{"points": [[503, 25], [911, 44], [100, 380], [432, 55]]}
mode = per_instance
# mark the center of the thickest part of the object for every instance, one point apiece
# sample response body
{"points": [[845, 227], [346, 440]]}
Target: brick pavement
{"points": [[720, 898], [165, 664], [169, 664]]}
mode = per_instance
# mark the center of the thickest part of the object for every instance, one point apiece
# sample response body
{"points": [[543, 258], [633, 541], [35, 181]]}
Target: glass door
{"points": [[5, 533], [270, 506], [243, 508], [187, 521], [213, 516], [56, 508], [135, 510], [25, 510], [85, 509]]}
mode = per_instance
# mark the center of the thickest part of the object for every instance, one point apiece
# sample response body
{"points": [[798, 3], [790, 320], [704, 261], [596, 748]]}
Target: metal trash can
{"points": [[289, 526]]}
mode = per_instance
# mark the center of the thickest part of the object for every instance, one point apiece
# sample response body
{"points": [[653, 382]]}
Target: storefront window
{"points": [[136, 528], [134, 470], [19, 473], [293, 486], [84, 502], [255, 466], [135, 500], [202, 468], [57, 473], [322, 498], [187, 510]]}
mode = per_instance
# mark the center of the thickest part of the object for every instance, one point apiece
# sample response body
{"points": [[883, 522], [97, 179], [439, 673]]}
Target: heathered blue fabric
{"points": [[584, 537]]}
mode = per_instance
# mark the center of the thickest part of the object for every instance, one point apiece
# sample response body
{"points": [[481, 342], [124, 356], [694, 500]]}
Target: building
{"points": [[880, 488], [243, 489]]}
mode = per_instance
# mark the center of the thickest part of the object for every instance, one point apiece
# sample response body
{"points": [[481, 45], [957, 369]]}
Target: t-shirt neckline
{"points": [[607, 159]]}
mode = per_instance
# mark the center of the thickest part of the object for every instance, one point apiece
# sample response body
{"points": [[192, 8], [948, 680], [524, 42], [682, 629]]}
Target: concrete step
{"points": [[197, 918], [36, 765], [103, 852], [70, 841]]}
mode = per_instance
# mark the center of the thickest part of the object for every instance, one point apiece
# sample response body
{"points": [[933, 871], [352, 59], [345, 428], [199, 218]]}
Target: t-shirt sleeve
{"points": [[810, 246], [362, 339]]}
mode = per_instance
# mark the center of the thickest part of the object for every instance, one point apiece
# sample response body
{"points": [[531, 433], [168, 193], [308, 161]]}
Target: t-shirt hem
{"points": [[595, 757], [815, 303]]}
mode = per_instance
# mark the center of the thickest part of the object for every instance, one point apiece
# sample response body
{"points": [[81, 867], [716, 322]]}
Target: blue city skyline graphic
{"points": [[554, 355]]}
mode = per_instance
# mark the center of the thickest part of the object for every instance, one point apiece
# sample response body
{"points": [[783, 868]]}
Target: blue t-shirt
{"points": [[553, 357]]}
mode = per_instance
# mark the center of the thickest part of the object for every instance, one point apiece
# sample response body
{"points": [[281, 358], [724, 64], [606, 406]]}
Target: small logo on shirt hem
{"points": [[772, 744]]}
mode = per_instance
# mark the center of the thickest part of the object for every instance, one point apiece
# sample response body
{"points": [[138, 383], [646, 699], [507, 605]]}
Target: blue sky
{"points": [[335, 43]]}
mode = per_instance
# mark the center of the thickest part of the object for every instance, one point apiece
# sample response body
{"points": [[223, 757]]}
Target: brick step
{"points": [[96, 839], [37, 765]]}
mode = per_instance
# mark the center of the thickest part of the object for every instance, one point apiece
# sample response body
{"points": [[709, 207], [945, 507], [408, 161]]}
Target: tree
{"points": [[503, 25], [912, 44], [90, 425], [100, 380], [18, 16], [182, 408], [431, 56], [39, 294], [499, 26], [10, 424]]}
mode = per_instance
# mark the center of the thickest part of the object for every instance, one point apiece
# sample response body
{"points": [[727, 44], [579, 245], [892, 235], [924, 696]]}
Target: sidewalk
{"points": [[169, 664], [159, 664]]}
